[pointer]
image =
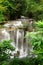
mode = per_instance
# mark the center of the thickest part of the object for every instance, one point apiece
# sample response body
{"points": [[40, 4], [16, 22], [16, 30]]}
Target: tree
{"points": [[16, 8], [3, 8], [35, 9], [11, 9]]}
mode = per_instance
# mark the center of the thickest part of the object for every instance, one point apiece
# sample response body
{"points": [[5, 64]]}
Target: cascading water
{"points": [[19, 42], [17, 36]]}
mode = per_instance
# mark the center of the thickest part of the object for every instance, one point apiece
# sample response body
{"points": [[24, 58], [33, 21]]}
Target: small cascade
{"points": [[16, 34], [18, 41]]}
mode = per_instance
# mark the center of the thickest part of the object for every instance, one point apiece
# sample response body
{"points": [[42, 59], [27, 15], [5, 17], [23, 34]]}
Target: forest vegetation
{"points": [[11, 10]]}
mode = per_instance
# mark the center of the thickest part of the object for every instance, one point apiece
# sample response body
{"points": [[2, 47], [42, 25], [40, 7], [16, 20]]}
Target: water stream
{"points": [[17, 36]]}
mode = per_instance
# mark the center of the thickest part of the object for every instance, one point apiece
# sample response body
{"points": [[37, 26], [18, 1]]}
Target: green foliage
{"points": [[35, 9], [3, 9], [36, 39], [13, 9], [16, 8], [39, 24], [5, 48], [26, 61], [1, 17]]}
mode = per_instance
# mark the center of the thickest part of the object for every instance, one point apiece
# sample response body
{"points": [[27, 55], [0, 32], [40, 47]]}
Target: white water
{"points": [[18, 40], [17, 36]]}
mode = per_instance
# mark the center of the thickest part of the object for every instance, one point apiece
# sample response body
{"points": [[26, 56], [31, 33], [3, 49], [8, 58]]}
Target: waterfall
{"points": [[17, 36]]}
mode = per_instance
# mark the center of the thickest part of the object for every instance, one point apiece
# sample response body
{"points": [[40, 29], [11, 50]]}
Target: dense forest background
{"points": [[13, 9], [28, 32]]}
